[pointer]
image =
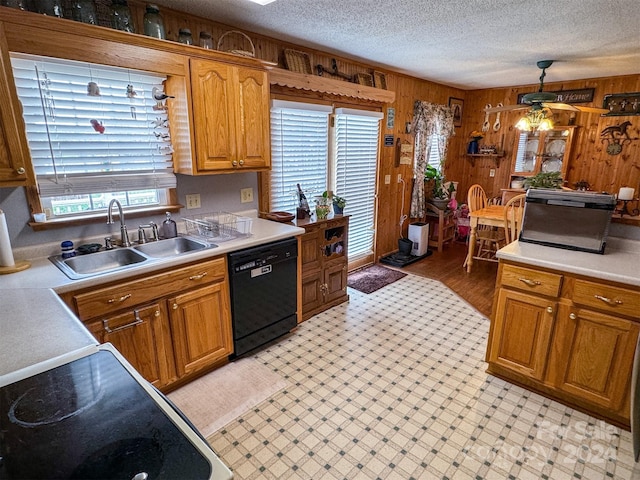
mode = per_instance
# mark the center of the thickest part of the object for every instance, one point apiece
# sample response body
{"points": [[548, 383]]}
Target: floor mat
{"points": [[221, 396], [372, 278]]}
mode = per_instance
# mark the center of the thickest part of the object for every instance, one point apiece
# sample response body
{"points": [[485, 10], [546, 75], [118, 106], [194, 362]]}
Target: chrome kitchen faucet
{"points": [[124, 236]]}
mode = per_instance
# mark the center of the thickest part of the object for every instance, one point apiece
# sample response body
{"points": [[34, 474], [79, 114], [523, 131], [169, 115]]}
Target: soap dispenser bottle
{"points": [[169, 227]]}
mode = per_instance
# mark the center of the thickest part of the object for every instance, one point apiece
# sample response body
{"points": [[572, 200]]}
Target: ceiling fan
{"points": [[544, 100]]}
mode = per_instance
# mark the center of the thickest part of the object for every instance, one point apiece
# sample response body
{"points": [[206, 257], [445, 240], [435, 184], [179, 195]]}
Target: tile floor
{"points": [[392, 385]]}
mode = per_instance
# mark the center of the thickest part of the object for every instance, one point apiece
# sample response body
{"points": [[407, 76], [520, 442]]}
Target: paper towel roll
{"points": [[6, 254]]}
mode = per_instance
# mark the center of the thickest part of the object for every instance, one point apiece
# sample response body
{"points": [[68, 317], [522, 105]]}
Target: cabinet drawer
{"points": [[530, 280], [608, 298], [127, 294]]}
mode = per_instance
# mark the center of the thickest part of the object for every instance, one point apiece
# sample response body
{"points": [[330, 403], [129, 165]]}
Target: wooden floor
{"points": [[475, 287]]}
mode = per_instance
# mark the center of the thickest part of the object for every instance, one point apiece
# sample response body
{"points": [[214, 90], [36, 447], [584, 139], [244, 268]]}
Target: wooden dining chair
{"points": [[476, 197], [513, 211], [489, 239]]}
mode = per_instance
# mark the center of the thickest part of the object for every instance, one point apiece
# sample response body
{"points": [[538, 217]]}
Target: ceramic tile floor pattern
{"points": [[392, 385]]}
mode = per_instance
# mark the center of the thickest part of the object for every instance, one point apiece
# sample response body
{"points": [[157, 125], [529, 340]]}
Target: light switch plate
{"points": [[246, 195], [193, 201]]}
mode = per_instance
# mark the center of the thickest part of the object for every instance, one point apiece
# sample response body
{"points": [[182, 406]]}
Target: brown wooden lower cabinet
{"points": [[567, 337], [142, 336], [323, 259], [169, 325], [200, 327]]}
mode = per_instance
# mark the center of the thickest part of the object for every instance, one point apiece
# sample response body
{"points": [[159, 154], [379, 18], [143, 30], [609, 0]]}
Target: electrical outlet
{"points": [[193, 201], [399, 178], [246, 195], [492, 172], [387, 179]]}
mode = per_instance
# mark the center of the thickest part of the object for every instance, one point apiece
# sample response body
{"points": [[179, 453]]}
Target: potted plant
{"points": [[544, 180], [323, 206], [338, 204], [439, 195]]}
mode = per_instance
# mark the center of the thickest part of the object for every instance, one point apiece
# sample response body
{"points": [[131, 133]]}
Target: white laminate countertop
{"points": [[35, 325], [619, 263]]}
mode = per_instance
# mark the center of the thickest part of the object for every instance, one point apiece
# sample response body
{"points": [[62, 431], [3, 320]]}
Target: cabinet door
{"points": [[335, 281], [15, 162], [554, 152], [590, 353], [214, 113], [201, 327], [522, 333], [312, 291], [142, 336], [526, 153], [310, 251], [253, 119]]}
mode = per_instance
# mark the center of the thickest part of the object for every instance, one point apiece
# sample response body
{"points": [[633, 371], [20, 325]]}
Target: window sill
{"points": [[100, 217]]}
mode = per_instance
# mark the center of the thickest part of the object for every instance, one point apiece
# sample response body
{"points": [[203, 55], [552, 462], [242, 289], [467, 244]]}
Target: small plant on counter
{"points": [[339, 201]]}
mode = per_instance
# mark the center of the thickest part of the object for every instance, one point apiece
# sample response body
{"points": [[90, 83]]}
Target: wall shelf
{"points": [[495, 156]]}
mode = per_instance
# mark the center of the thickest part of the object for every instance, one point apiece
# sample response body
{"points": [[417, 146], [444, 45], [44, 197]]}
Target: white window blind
{"points": [[299, 152], [356, 150], [434, 153], [82, 144]]}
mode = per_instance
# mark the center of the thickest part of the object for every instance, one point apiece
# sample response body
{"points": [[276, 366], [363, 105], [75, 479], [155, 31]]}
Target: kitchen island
{"points": [[565, 324]]}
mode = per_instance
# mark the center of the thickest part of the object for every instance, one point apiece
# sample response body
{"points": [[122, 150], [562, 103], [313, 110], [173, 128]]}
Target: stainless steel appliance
{"points": [[90, 415], [263, 283], [567, 219]]}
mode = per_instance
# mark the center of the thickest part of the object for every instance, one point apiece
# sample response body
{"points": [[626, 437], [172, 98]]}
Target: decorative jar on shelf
{"points": [[121, 16], [472, 148], [84, 11], [153, 23], [184, 36]]}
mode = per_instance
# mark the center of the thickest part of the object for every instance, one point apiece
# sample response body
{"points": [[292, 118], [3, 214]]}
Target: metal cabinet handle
{"points": [[531, 283], [241, 162], [573, 316], [234, 163], [137, 321], [549, 309], [157, 313], [608, 301], [20, 171], [119, 300], [198, 277], [174, 306]]}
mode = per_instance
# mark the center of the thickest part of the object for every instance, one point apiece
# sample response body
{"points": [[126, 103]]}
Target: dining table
{"points": [[493, 216]]}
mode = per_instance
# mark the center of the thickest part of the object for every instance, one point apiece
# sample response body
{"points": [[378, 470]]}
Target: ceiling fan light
{"points": [[545, 124], [524, 124]]}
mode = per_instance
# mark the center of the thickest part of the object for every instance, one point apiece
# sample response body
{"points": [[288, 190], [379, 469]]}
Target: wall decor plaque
{"points": [[620, 104], [582, 95]]}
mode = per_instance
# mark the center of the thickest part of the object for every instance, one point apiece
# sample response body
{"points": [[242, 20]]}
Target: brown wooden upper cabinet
{"points": [[15, 163], [230, 117], [543, 152]]}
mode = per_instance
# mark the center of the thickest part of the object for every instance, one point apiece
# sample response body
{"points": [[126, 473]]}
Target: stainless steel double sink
{"points": [[118, 259]]}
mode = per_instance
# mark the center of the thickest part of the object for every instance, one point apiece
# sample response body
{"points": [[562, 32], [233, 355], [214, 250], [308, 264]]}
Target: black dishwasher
{"points": [[263, 293]]}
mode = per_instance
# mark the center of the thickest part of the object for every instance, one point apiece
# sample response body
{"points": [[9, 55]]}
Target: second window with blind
{"points": [[339, 155]]}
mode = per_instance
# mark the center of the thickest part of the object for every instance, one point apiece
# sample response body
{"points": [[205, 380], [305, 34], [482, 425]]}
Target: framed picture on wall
{"points": [[456, 105]]}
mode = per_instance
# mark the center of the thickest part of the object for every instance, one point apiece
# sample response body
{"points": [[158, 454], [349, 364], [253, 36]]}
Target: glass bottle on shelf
{"points": [[52, 8], [121, 18], [19, 4], [206, 41], [184, 36], [84, 11], [153, 23]]}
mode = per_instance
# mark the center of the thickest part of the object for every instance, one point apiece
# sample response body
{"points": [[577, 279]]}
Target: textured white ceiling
{"points": [[464, 43]]}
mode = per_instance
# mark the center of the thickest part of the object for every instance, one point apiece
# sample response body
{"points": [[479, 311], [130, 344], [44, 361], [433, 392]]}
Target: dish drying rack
{"points": [[217, 226]]}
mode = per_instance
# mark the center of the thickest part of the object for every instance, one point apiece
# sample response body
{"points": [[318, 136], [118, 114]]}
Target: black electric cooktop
{"points": [[91, 419]]}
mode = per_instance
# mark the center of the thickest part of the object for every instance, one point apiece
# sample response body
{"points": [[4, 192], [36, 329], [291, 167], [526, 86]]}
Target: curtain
{"points": [[428, 119]]}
